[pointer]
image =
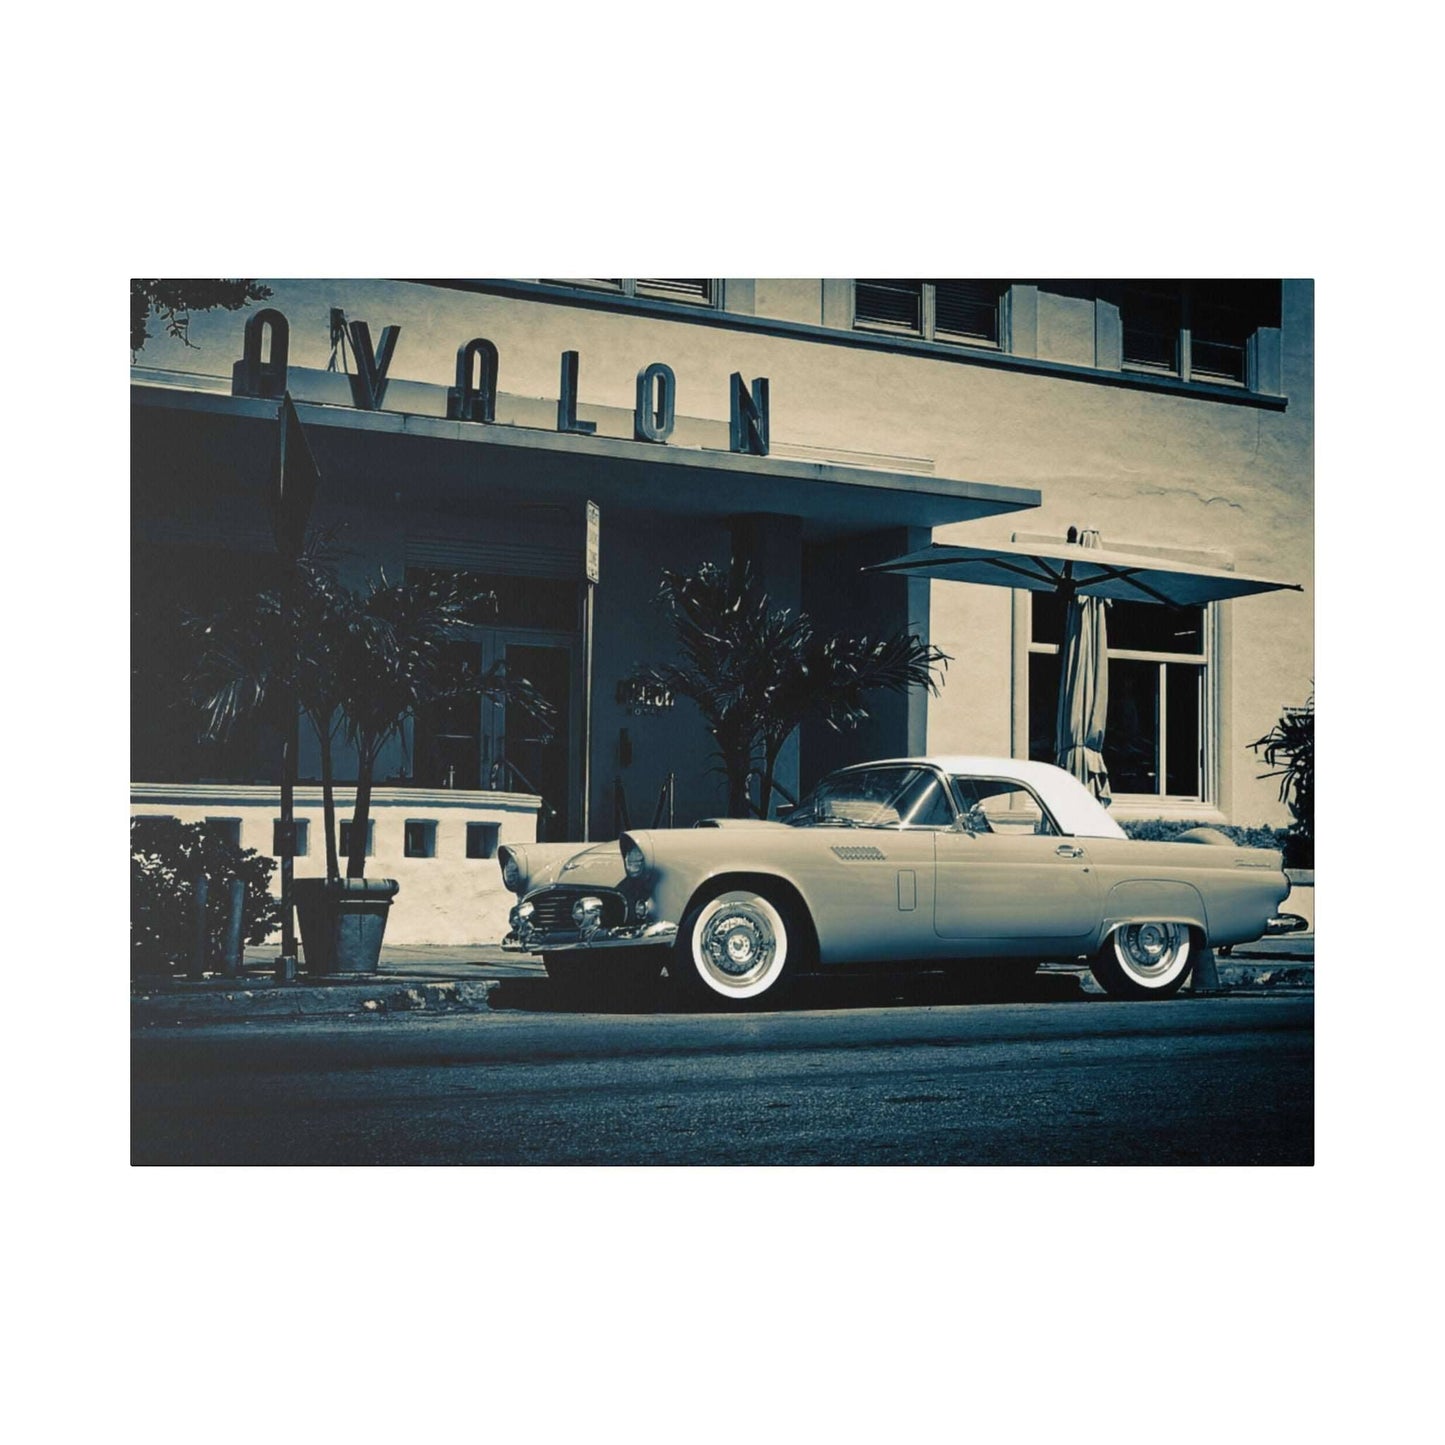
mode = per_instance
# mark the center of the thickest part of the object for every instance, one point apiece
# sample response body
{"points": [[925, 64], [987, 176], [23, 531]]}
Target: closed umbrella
{"points": [[1084, 688]]}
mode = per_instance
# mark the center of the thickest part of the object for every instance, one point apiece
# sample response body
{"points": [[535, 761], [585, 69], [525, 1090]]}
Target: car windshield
{"points": [[897, 797]]}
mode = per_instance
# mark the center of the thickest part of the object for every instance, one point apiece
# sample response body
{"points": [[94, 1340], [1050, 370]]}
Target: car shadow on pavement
{"points": [[842, 990]]}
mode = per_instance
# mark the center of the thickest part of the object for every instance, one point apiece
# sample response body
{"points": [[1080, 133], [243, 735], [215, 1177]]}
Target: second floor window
{"points": [[1196, 330], [694, 293], [966, 312]]}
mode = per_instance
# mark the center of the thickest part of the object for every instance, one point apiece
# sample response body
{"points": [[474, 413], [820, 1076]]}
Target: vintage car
{"points": [[988, 861]]}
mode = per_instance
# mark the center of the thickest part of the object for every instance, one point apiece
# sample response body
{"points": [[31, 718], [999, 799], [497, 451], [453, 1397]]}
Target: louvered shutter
{"points": [[1221, 321], [896, 305], [967, 309], [1150, 317], [672, 290]]}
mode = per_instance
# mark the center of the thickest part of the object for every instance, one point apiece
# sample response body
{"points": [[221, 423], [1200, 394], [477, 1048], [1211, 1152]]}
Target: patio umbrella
{"points": [[1079, 571], [1084, 688], [1089, 571]]}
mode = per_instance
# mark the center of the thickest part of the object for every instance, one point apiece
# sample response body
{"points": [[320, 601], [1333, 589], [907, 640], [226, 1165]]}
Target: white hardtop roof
{"points": [[1074, 807]]}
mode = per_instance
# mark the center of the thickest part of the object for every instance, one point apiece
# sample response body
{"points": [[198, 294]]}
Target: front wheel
{"points": [[1144, 960], [736, 945]]}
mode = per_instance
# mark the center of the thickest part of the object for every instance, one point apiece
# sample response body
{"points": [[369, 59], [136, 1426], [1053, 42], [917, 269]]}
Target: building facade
{"points": [[542, 434]]}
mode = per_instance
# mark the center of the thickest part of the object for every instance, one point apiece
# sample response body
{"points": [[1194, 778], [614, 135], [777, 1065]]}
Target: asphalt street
{"points": [[539, 1079]]}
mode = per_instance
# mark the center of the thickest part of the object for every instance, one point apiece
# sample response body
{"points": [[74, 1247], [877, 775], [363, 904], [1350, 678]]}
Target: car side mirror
{"points": [[975, 821]]}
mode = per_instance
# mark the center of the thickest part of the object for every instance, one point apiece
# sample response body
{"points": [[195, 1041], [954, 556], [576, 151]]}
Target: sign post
{"points": [[594, 572], [296, 482]]}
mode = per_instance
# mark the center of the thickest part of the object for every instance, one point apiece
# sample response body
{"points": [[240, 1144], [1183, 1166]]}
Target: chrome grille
{"points": [[554, 908]]}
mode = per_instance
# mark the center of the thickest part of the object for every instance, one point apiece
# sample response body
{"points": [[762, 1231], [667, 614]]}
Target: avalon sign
{"points": [[262, 371]]}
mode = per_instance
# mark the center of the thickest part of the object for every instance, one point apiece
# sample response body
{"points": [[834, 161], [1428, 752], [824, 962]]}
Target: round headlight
{"points": [[586, 912], [524, 911], [634, 861], [511, 874]]}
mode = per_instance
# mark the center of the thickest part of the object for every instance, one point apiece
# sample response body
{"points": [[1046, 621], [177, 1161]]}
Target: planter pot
{"points": [[342, 922]]}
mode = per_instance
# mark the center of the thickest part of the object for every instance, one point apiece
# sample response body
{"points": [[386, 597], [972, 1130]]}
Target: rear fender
{"points": [[1154, 900]]}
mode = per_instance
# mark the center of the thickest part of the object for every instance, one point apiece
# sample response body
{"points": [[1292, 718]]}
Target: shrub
{"points": [[1161, 830], [166, 857]]}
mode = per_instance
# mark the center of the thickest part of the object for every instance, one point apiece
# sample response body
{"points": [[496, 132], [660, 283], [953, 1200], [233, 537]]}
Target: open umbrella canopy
{"points": [[1070, 568], [1083, 573]]}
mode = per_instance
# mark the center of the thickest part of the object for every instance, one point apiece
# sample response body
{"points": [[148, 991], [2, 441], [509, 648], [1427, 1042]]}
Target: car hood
{"points": [[738, 823], [599, 865]]}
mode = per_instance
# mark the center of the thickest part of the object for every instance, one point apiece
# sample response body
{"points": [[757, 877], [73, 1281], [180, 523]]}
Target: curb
{"points": [[237, 1005]]}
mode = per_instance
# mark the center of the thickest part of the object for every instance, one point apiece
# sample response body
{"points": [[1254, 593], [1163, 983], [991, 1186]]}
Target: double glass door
{"points": [[478, 742]]}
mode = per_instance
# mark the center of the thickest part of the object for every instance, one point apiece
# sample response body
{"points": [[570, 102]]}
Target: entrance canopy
{"points": [[386, 459], [1073, 570]]}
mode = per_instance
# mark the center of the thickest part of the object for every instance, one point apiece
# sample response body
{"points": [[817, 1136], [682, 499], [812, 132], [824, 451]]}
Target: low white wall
{"points": [[448, 898]]}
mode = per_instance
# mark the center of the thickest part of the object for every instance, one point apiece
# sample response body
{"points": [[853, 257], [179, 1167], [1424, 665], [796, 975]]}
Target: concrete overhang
{"points": [[180, 437]]}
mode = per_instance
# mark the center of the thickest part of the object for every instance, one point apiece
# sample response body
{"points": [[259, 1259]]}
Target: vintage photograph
{"points": [[728, 722]]}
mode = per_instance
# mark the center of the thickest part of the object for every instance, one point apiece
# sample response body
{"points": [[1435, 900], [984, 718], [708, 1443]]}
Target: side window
{"points": [[995, 805]]}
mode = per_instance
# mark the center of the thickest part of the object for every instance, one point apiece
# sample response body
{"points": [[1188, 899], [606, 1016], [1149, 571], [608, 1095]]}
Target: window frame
{"points": [[645, 290], [954, 779], [1183, 368], [1207, 661], [923, 768], [927, 329], [303, 837]]}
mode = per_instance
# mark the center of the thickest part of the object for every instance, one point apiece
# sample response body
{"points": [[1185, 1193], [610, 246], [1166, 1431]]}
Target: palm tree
{"points": [[1289, 750], [393, 658], [756, 672], [357, 664], [832, 678], [729, 637], [274, 649]]}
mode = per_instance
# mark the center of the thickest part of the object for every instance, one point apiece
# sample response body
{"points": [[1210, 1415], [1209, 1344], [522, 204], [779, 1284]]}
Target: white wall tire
{"points": [[736, 945], [1145, 960]]}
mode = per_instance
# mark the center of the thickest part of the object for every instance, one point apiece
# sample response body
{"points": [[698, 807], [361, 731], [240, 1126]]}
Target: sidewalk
{"points": [[441, 978]]}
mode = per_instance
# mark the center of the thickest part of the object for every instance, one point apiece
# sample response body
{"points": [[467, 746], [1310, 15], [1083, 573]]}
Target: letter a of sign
{"points": [[368, 386]]}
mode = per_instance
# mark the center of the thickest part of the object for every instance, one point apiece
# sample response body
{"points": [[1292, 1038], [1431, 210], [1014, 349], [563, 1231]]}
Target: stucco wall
{"points": [[449, 898], [1139, 465]]}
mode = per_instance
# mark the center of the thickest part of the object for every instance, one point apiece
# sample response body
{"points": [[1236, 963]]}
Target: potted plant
{"points": [[358, 664], [1289, 751], [384, 654]]}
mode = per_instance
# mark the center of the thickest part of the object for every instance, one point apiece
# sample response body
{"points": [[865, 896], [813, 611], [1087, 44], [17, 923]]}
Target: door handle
{"points": [[1067, 850]]}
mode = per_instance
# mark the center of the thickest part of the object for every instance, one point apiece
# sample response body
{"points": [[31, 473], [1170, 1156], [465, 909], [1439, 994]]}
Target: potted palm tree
{"points": [[1289, 751], [358, 664]]}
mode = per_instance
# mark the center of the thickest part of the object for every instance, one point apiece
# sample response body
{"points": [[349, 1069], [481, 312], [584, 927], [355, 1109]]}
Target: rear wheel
{"points": [[1145, 960], [735, 945]]}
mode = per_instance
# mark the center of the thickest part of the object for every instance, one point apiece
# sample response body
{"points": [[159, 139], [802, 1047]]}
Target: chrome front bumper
{"points": [[630, 935]]}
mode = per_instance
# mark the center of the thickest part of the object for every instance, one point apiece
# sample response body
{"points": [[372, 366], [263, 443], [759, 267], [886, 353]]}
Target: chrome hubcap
{"points": [[1149, 948], [738, 943]]}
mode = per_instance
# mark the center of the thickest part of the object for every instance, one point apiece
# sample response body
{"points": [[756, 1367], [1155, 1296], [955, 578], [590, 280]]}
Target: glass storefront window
{"points": [[1156, 731]]}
